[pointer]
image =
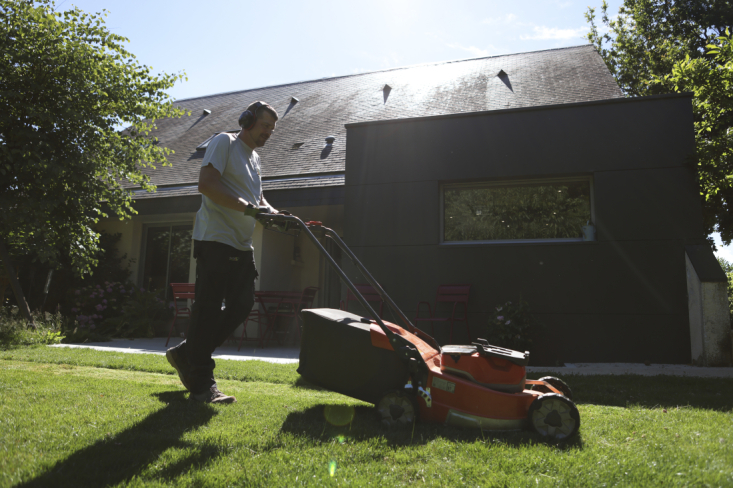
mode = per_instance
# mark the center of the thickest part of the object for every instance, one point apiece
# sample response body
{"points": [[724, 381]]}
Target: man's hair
{"points": [[263, 108]]}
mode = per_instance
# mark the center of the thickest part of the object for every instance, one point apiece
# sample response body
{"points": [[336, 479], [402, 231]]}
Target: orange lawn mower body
{"points": [[409, 377]]}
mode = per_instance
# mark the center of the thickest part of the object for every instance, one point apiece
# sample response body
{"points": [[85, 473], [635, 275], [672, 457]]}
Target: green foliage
{"points": [[115, 310], [67, 82], [512, 326], [649, 36], [141, 313], [537, 211], [14, 331], [711, 81], [111, 266], [728, 269], [659, 46]]}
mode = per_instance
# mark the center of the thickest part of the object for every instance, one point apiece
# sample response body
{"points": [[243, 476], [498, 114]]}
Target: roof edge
{"points": [[522, 109]]}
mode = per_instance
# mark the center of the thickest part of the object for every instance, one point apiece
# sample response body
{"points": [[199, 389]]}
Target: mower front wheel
{"points": [[397, 408], [555, 416]]}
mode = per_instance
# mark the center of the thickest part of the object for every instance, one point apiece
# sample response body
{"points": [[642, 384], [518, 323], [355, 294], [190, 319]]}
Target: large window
{"points": [[167, 256], [530, 210]]}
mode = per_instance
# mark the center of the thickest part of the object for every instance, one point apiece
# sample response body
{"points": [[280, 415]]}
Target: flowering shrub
{"points": [[512, 326], [93, 304], [115, 309], [140, 314]]}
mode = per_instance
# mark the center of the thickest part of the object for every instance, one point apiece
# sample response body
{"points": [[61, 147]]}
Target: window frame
{"points": [[512, 182]]}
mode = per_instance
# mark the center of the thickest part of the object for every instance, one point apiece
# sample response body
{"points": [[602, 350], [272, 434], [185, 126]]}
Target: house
{"points": [[461, 139]]}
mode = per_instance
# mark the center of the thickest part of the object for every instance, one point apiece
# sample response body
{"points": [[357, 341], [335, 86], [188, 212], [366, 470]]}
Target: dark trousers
{"points": [[223, 273]]}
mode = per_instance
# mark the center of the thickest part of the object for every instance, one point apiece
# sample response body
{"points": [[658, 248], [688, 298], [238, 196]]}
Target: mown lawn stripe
{"points": [[81, 425]]}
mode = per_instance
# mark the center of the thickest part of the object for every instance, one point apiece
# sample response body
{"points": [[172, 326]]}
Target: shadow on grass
{"points": [[365, 425], [119, 458], [651, 391]]}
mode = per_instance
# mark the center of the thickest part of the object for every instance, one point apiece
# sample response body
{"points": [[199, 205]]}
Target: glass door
{"points": [[167, 257]]}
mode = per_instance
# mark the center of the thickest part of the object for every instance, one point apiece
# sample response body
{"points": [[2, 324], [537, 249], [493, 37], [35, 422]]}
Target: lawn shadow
{"points": [[119, 458], [307, 385], [650, 391], [365, 425]]}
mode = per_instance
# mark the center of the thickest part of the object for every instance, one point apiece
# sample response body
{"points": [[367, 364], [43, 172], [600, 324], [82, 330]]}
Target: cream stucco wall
{"points": [[273, 251], [133, 234]]}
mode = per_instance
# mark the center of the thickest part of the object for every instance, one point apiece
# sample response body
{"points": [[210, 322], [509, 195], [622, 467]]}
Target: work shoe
{"points": [[213, 395], [179, 363]]}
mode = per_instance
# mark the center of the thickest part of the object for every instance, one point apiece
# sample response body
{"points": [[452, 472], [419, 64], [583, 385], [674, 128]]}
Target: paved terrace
{"points": [[284, 355]]}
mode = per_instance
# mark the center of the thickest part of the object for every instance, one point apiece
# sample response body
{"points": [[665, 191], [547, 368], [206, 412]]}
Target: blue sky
{"points": [[237, 45]]}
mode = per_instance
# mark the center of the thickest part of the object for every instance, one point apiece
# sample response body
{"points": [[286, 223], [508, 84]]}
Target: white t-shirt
{"points": [[239, 167]]}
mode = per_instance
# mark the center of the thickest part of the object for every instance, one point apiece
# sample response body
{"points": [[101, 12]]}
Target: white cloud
{"points": [[475, 51], [503, 19], [553, 33]]}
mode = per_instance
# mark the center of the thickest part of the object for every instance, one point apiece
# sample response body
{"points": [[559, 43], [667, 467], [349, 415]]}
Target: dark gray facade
{"points": [[621, 298]]}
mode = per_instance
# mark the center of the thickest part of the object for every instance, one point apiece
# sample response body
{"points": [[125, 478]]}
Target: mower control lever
{"points": [[413, 359]]}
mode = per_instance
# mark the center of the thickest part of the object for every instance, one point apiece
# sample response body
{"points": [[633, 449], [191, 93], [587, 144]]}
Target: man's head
{"points": [[257, 125]]}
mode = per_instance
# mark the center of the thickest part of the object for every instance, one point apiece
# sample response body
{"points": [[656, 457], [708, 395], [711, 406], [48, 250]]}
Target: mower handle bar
{"points": [[265, 217]]}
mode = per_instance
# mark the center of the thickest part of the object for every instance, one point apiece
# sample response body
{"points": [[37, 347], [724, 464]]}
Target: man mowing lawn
{"points": [[225, 269]]}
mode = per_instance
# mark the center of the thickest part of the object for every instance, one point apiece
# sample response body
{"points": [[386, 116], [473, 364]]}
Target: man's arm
{"points": [[263, 202], [274, 210], [210, 185]]}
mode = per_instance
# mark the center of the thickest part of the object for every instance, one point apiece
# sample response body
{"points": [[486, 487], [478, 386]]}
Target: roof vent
{"points": [[205, 144], [329, 140], [386, 89], [505, 79], [297, 145], [293, 100], [206, 112]]}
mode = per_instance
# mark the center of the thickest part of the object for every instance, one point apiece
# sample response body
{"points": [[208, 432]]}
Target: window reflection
{"points": [[167, 257], [544, 210]]}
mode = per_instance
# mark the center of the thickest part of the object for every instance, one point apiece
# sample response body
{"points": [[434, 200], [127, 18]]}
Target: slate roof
{"points": [[557, 76]]}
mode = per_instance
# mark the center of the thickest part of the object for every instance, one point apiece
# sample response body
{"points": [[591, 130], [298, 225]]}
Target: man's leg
{"points": [[240, 296], [221, 272]]}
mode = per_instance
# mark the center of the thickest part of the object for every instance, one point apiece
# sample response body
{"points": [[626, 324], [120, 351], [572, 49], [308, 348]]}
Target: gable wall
{"points": [[620, 298]]}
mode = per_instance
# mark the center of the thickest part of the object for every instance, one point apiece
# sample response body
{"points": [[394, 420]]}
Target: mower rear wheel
{"points": [[397, 408], [555, 416], [556, 383]]}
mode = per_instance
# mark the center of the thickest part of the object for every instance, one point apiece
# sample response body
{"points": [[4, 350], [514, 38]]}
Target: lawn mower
{"points": [[408, 376]]}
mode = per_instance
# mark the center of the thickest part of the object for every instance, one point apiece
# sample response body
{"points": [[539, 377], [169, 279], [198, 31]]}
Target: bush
{"points": [[140, 314], [728, 270], [14, 330], [115, 310], [513, 326]]}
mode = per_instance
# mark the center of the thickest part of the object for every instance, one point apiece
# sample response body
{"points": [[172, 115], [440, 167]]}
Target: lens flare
{"points": [[332, 468], [339, 415]]}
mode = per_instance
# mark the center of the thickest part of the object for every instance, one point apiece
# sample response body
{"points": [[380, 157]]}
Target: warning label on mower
{"points": [[444, 385]]}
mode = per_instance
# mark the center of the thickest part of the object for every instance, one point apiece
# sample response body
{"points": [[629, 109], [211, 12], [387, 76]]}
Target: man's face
{"points": [[263, 129]]}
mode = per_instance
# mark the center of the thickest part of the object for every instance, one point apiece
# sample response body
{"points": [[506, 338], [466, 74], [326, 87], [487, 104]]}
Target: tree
{"points": [[711, 81], [66, 85], [650, 40]]}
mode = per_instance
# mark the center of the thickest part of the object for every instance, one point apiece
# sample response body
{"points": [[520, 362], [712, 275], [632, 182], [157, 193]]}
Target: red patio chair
{"points": [[258, 318], [181, 291], [455, 294], [369, 294], [305, 300]]}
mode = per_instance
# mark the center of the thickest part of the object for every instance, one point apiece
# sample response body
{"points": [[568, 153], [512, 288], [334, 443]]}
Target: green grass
{"points": [[71, 417], [14, 331]]}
